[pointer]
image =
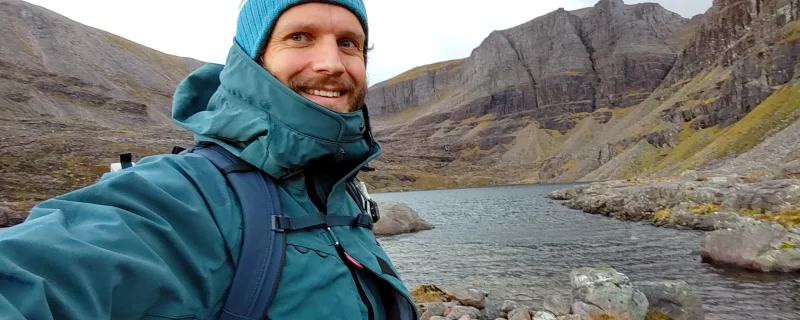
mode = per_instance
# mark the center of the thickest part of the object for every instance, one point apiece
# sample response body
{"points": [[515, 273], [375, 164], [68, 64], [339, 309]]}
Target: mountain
{"points": [[72, 97], [606, 92]]}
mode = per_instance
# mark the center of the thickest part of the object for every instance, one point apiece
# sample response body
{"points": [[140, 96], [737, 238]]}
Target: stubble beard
{"points": [[358, 94]]}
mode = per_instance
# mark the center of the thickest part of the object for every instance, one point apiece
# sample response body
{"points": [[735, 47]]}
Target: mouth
{"points": [[323, 93]]}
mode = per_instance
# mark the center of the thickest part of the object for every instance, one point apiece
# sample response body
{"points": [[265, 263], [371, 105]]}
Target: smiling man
{"points": [[175, 237]]}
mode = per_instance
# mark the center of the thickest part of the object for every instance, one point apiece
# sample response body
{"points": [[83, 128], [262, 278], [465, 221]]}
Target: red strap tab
{"points": [[353, 261]]}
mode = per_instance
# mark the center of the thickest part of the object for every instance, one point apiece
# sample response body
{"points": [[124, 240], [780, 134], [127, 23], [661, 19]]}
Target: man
{"points": [[162, 239]]}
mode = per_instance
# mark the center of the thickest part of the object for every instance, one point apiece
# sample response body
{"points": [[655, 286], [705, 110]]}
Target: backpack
{"points": [[263, 240]]}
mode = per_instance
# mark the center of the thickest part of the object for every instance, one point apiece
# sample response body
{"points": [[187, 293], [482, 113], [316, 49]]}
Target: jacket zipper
{"points": [[346, 259]]}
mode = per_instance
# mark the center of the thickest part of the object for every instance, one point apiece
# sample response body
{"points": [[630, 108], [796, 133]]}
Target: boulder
{"points": [[490, 310], [10, 217], [458, 312], [690, 175], [398, 218], [556, 304], [508, 305], [571, 317], [428, 293], [672, 298], [522, 313], [469, 297], [544, 315], [434, 308], [757, 245], [607, 290]]}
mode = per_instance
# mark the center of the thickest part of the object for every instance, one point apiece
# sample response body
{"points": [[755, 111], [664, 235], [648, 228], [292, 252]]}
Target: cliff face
{"points": [[73, 97], [611, 91]]}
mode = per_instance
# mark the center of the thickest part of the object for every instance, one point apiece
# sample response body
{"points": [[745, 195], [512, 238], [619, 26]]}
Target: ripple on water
{"points": [[516, 244]]}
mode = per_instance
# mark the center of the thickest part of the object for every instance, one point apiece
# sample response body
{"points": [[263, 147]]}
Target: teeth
{"points": [[323, 93]]}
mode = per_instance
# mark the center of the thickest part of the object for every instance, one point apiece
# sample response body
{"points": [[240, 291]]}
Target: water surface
{"points": [[516, 244]]}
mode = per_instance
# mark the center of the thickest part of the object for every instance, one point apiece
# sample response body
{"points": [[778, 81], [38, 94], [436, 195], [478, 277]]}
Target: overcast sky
{"points": [[404, 34]]}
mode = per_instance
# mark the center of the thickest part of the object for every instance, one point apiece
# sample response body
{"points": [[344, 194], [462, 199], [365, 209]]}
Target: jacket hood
{"points": [[244, 108]]}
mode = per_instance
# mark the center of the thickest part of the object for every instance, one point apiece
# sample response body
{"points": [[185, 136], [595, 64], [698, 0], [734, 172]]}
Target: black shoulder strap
{"points": [[263, 246]]}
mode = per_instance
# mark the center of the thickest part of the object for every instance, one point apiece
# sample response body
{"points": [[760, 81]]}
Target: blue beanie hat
{"points": [[256, 18]]}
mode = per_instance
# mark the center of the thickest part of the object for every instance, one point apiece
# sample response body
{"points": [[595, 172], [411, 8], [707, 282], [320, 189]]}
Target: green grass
{"points": [[413, 73]]}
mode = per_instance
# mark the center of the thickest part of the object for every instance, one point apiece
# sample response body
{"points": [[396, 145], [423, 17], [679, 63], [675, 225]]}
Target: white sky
{"points": [[404, 33]]}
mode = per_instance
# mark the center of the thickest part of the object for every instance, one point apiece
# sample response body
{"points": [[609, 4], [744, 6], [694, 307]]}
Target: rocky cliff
{"points": [[73, 97], [611, 91]]}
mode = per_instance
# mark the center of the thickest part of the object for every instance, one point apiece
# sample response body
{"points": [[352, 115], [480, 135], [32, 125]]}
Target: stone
{"points": [[438, 318], [490, 310], [465, 317], [544, 315], [428, 293], [608, 290], [582, 309], [398, 218], [723, 182], [469, 297], [427, 315], [459, 311], [757, 245], [556, 304], [673, 298], [522, 313], [508, 305], [435, 308], [690, 175], [10, 217], [571, 317]]}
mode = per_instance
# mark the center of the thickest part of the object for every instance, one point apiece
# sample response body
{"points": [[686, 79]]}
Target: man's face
{"points": [[317, 50]]}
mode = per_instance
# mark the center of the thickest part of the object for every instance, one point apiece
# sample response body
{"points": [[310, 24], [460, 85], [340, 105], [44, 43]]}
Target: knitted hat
{"points": [[257, 17]]}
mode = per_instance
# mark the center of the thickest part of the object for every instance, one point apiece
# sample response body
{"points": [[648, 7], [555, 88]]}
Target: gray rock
{"points": [[544, 315], [508, 305], [397, 218], [426, 315], [571, 317], [582, 309], [438, 318], [521, 313], [10, 217], [556, 304], [723, 182], [470, 297], [690, 175], [490, 310], [758, 245], [609, 291], [673, 298], [459, 311], [465, 317], [435, 308]]}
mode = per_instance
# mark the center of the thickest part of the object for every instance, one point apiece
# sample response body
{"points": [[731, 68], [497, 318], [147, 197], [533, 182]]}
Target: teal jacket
{"points": [[161, 240]]}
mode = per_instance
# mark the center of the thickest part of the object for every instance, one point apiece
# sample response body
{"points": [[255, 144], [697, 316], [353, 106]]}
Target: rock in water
{"points": [[556, 304], [544, 315], [470, 297], [758, 245], [398, 218], [490, 310], [508, 305], [428, 293], [609, 291], [672, 298]]}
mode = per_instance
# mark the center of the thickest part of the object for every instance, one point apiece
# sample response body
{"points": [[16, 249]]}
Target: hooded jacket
{"points": [[162, 239]]}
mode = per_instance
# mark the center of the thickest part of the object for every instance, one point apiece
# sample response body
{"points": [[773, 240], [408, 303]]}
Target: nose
{"points": [[326, 57]]}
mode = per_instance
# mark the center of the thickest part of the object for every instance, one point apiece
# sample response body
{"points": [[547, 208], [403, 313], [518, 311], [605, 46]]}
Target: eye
{"points": [[349, 44], [299, 37]]}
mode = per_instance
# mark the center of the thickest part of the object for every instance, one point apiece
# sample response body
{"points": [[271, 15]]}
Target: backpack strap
{"points": [[263, 247]]}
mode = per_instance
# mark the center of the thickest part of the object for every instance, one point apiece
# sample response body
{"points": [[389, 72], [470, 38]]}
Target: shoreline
{"points": [[745, 224]]}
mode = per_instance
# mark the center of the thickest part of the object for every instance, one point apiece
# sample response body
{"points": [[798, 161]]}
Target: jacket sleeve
{"points": [[138, 243]]}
